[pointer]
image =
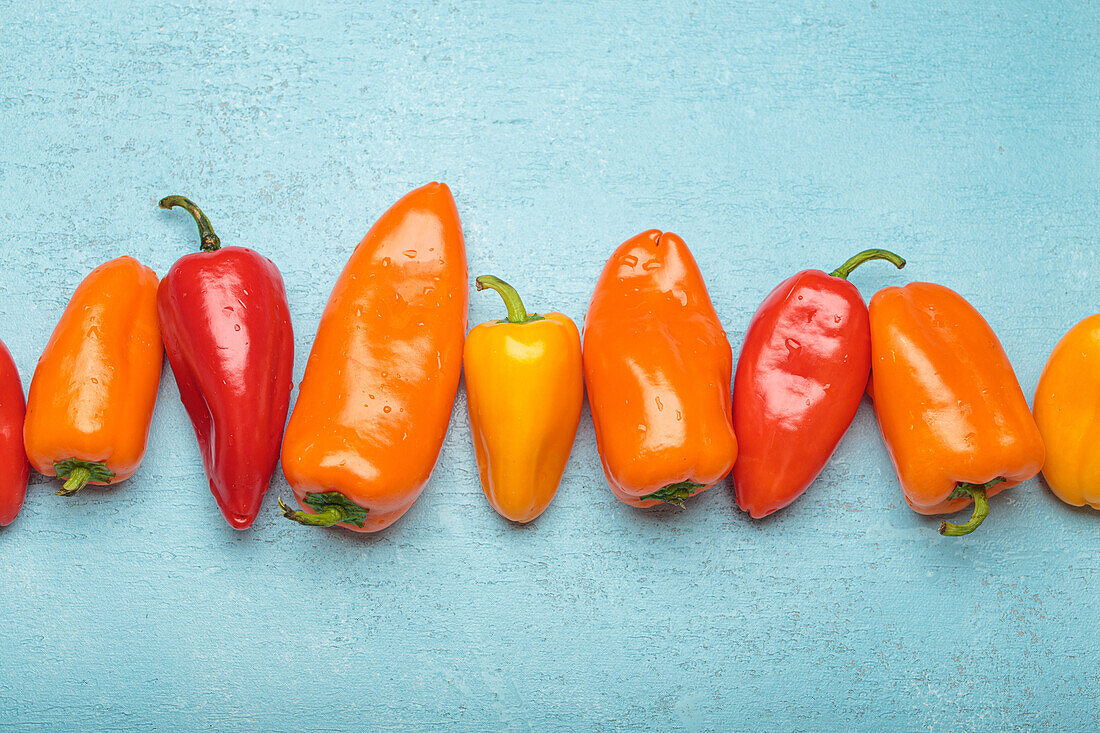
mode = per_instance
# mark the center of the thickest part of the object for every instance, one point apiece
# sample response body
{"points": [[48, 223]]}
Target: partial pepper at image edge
{"points": [[1067, 411]]}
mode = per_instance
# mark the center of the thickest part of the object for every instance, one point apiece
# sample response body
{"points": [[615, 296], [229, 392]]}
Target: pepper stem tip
{"points": [[208, 240], [331, 507], [674, 493], [977, 493], [78, 474], [866, 256], [517, 313]]}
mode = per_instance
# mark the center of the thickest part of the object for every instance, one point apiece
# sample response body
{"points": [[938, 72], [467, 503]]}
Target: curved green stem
{"points": [[78, 474], [977, 492], [516, 312], [332, 508], [866, 256], [208, 240], [78, 479], [674, 493]]}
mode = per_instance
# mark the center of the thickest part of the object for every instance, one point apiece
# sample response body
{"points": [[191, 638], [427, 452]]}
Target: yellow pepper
{"points": [[1067, 410], [524, 390]]}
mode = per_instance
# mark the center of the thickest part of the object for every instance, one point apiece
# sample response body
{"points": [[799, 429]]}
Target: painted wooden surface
{"points": [[772, 137]]}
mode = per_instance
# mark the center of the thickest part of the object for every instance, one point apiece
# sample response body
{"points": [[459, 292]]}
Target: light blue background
{"points": [[772, 138]]}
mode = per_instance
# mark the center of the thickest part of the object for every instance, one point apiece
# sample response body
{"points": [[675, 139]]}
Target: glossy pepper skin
{"points": [[800, 377], [1067, 410], [226, 326], [14, 468], [952, 414], [657, 366], [524, 391], [92, 395], [379, 387]]}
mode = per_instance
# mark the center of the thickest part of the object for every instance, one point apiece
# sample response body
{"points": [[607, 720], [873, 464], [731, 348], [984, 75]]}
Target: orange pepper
{"points": [[657, 366], [953, 416], [378, 390], [524, 390], [92, 395], [1067, 409]]}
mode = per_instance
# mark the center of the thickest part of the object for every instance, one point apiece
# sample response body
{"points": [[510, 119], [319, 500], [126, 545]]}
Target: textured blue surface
{"points": [[964, 135]]}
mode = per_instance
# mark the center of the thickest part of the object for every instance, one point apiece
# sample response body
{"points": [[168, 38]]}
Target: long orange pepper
{"points": [[657, 366], [93, 392], [955, 422], [378, 390]]}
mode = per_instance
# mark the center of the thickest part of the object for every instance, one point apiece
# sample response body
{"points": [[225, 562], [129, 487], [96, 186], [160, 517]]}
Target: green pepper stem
{"points": [[977, 492], [327, 517], [78, 479], [208, 240], [865, 256], [674, 493], [516, 312], [331, 508], [78, 474]]}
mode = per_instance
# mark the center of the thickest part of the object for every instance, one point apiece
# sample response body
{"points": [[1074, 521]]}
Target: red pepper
{"points": [[226, 329], [801, 375], [14, 467]]}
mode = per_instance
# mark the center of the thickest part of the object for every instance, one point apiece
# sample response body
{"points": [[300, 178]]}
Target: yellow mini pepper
{"points": [[524, 390], [1067, 410]]}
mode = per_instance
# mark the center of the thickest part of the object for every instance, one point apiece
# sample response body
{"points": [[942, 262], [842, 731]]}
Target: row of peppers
{"points": [[376, 399]]}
